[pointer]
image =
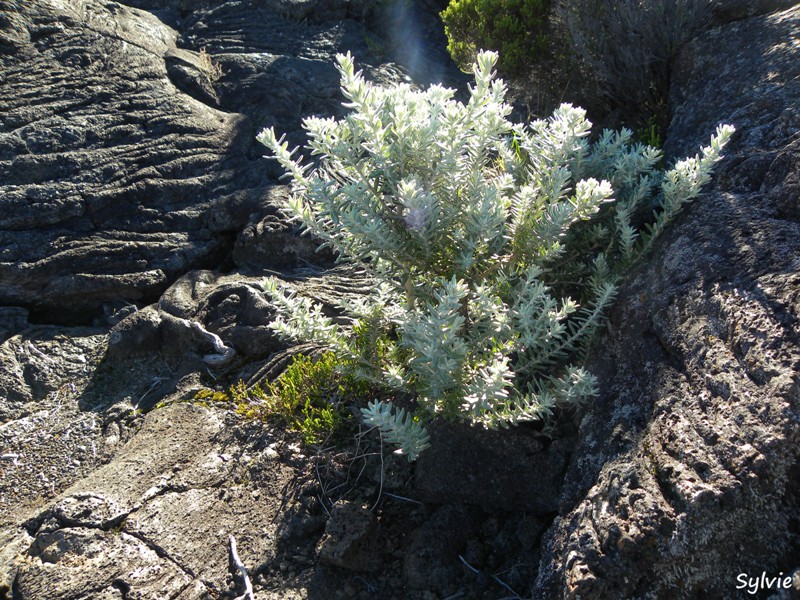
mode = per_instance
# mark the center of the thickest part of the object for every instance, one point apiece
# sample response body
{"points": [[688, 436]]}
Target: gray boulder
{"points": [[686, 474]]}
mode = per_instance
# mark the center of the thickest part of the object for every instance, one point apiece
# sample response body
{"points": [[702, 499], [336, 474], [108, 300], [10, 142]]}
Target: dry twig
{"points": [[248, 587]]}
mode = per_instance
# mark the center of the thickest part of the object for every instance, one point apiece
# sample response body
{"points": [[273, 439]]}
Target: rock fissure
{"points": [[123, 587], [161, 552]]}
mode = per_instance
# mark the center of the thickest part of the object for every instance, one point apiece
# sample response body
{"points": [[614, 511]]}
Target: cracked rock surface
{"points": [[156, 521]]}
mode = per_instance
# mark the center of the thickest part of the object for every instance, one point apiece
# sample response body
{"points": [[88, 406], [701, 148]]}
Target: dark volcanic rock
{"points": [[688, 468], [351, 539], [502, 469], [432, 558], [735, 10], [105, 167], [12, 320], [127, 140]]}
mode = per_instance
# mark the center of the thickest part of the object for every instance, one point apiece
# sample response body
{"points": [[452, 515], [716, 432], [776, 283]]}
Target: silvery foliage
{"points": [[473, 229], [397, 427]]}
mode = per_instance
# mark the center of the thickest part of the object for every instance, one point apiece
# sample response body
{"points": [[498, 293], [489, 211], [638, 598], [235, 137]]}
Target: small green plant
{"points": [[650, 134], [311, 394], [310, 397], [514, 28], [211, 396], [495, 247]]}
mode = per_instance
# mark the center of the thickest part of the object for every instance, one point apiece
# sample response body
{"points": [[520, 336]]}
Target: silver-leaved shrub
{"points": [[495, 247]]}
